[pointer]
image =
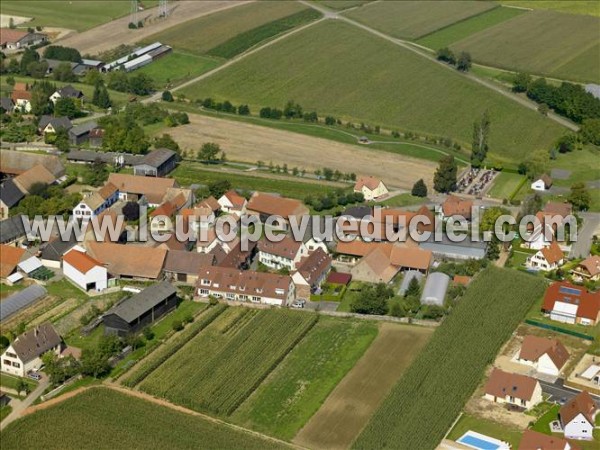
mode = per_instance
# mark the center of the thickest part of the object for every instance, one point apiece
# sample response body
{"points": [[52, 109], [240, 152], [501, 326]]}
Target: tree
{"points": [[292, 110], [538, 163], [177, 325], [464, 62], [4, 342], [166, 141], [11, 23], [219, 187], [445, 177], [543, 109], [530, 206], [493, 249], [580, 197], [209, 151], [566, 143], [37, 69], [167, 96], [66, 107], [481, 132], [413, 289], [590, 131], [446, 55], [419, 189], [521, 82], [61, 142], [101, 98], [94, 363], [22, 386], [373, 300], [397, 310], [64, 72], [136, 141], [141, 84], [97, 173], [131, 211], [29, 56], [62, 53], [244, 110], [490, 215]]}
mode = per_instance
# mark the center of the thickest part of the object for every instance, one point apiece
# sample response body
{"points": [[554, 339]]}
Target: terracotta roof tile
{"points": [[273, 205], [583, 403], [553, 254], [501, 384], [81, 261], [534, 347], [9, 258]]}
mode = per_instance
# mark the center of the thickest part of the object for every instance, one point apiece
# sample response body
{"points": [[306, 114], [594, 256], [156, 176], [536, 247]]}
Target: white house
{"points": [[542, 184], [232, 203], [24, 354], [371, 187], [577, 417], [545, 355], [92, 205], [85, 271], [546, 259], [514, 389], [312, 272], [284, 254]]}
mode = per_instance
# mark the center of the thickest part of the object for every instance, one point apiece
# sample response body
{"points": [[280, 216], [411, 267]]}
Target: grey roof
{"points": [[133, 307], [358, 211], [7, 104], [408, 276], [81, 129], [593, 89], [12, 228], [181, 261], [80, 69], [21, 299], [107, 157], [459, 250], [157, 157], [57, 122], [54, 63], [10, 194], [70, 91], [36, 342], [435, 289], [54, 251]]}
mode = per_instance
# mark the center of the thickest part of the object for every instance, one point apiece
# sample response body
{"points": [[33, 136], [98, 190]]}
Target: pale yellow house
{"points": [[371, 188]]}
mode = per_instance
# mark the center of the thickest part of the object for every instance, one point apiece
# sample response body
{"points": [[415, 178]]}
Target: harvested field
{"points": [[112, 34], [413, 19], [567, 6], [251, 143], [350, 406]]}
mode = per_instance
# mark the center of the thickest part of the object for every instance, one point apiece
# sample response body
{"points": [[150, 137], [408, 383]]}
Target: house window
{"points": [[206, 282], [7, 362], [203, 291], [11, 355], [230, 296], [16, 364], [279, 291], [255, 299]]}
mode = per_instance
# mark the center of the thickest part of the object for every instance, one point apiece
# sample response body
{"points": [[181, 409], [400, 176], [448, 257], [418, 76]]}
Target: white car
{"points": [[298, 303]]}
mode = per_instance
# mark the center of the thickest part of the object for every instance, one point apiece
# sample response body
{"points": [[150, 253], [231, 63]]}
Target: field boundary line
{"points": [[459, 21]]}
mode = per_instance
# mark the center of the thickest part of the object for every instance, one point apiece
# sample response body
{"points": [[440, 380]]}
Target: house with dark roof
{"points": [[157, 163], [12, 230], [80, 134], [51, 124], [53, 251], [134, 313], [284, 254], [13, 39], [23, 355], [311, 272], [545, 355], [10, 196], [67, 91], [7, 104], [577, 417], [90, 156], [567, 303], [513, 389]]}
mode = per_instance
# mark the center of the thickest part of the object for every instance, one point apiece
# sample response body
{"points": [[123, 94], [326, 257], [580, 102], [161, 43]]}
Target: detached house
{"points": [[233, 203], [10, 196], [546, 259], [311, 272], [266, 205], [284, 254], [514, 389], [21, 98], [542, 184], [50, 124], [532, 440], [370, 187], [545, 355], [456, 206], [25, 352], [577, 417], [95, 203], [572, 304], [84, 271], [67, 91], [587, 270]]}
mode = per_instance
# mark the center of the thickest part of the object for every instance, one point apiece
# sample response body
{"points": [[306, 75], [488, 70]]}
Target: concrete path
{"points": [[19, 406]]}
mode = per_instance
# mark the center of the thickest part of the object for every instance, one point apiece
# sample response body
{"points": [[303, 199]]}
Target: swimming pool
{"points": [[481, 441]]}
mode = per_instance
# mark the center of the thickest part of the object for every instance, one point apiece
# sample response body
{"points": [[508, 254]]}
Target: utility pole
{"points": [[134, 12]]}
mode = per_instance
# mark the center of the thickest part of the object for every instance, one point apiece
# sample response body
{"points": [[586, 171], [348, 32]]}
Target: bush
{"points": [[177, 325], [167, 96]]}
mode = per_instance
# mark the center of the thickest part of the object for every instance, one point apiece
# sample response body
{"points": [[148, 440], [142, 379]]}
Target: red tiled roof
{"points": [[457, 206], [286, 248], [236, 199], [81, 261], [314, 265], [339, 278], [534, 347], [9, 35], [500, 384], [583, 404], [369, 182], [533, 440], [591, 265], [588, 302], [9, 258], [558, 209], [552, 253], [274, 205]]}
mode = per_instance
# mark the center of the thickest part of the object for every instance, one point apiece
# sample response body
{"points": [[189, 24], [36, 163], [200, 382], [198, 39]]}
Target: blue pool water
{"points": [[478, 443]]}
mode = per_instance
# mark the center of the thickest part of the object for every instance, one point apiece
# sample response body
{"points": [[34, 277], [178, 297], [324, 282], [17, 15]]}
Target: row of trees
{"points": [[61, 53], [226, 106], [330, 201], [462, 62]]}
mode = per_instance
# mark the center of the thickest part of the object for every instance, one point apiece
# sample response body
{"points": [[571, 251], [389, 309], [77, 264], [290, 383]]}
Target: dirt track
{"points": [[110, 35], [251, 143]]}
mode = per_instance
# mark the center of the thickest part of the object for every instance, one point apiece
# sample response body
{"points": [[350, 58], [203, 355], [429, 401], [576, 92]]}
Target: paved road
{"points": [[558, 391], [18, 406], [408, 46], [591, 224]]}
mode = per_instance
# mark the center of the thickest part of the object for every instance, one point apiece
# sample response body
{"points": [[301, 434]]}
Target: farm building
{"points": [[138, 58], [15, 163], [266, 205], [129, 261], [512, 388], [567, 303], [577, 416], [445, 248], [371, 188], [135, 188], [184, 266], [545, 355], [24, 354], [80, 134], [134, 313], [21, 299], [12, 230], [96, 202], [88, 156], [455, 206], [7, 104], [84, 271], [311, 273], [10, 196], [13, 39], [10, 257], [593, 89], [37, 174], [434, 291]]}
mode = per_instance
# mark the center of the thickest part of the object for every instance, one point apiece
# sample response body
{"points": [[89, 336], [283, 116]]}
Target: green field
{"points": [[103, 418], [487, 427], [540, 42], [451, 366], [74, 14], [202, 35], [298, 387], [339, 5], [178, 67], [567, 6], [505, 185], [461, 30], [414, 19], [360, 77]]}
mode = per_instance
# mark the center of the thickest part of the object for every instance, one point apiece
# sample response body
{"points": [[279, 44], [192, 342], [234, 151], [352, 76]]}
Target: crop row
{"points": [[423, 404]]}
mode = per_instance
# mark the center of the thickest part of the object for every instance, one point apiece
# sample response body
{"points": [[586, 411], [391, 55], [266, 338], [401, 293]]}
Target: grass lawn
{"points": [[340, 5], [567, 6], [460, 30], [402, 200], [351, 293], [353, 78], [177, 67], [487, 427], [540, 42], [75, 14], [506, 184], [542, 425], [64, 289], [110, 419], [90, 341], [185, 308], [6, 290], [11, 381], [5, 411], [518, 259], [413, 19]]}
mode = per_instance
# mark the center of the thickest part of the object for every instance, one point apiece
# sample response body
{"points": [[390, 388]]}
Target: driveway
{"points": [[322, 306], [18, 406], [558, 391], [591, 225]]}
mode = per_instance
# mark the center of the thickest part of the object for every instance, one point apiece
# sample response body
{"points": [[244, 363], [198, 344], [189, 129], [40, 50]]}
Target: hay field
{"points": [[413, 19], [591, 8], [360, 77]]}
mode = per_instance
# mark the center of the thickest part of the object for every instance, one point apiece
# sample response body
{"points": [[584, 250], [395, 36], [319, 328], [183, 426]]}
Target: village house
{"points": [[370, 187], [311, 272], [15, 163], [129, 261], [80, 134], [533, 440], [67, 91], [546, 259], [10, 257], [456, 206], [13, 39], [577, 417], [233, 203], [53, 251], [21, 98], [157, 163], [24, 354], [513, 389], [210, 203], [554, 217], [95, 203], [133, 188], [84, 271], [51, 124], [568, 303], [284, 254], [36, 175], [10, 196], [163, 218], [265, 205], [133, 314], [246, 286], [542, 184], [184, 266], [108, 226], [12, 230], [587, 270], [547, 356], [231, 255]]}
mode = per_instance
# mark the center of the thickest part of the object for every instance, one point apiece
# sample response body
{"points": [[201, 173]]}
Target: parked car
{"points": [[34, 376], [299, 303]]}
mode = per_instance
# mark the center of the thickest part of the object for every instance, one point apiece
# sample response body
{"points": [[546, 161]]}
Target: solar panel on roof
{"points": [[21, 300], [569, 291]]}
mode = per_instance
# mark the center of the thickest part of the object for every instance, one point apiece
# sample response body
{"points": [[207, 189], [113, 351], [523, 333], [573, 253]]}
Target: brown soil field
{"points": [[251, 143], [112, 34], [348, 408]]}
